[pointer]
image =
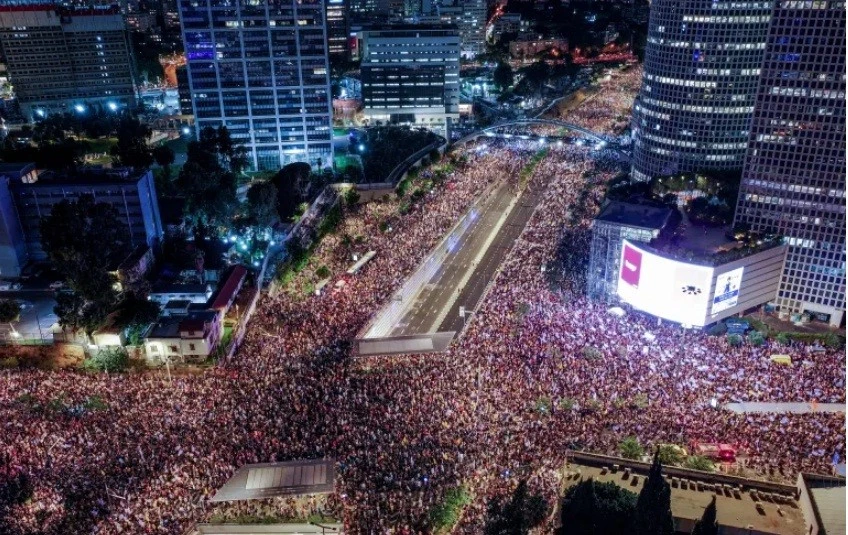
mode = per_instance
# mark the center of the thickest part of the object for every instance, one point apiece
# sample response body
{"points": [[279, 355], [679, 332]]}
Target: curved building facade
{"points": [[701, 70]]}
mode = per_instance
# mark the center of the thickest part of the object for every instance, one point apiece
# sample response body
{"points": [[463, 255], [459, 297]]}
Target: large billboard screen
{"points": [[727, 290], [666, 288]]}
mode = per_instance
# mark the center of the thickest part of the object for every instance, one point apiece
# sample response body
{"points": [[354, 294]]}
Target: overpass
{"points": [[585, 132]]}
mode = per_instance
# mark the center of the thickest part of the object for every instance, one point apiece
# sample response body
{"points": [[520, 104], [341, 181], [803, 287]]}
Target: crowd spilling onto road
{"points": [[609, 109], [539, 371]]}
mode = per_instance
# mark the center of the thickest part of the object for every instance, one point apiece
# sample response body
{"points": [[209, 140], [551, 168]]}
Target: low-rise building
{"points": [[162, 293], [228, 290], [180, 339]]}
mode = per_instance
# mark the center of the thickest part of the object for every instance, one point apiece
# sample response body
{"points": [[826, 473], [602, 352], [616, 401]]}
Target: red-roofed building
{"points": [[228, 291]]}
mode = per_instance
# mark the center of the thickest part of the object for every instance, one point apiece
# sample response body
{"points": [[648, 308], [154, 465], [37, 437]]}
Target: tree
{"points": [[135, 313], [164, 157], [653, 507], [630, 448], [110, 359], [707, 525], [517, 516], [289, 193], [699, 462], [670, 454], [9, 310], [82, 239], [131, 149], [536, 75], [503, 76], [262, 203], [590, 507], [207, 180]]}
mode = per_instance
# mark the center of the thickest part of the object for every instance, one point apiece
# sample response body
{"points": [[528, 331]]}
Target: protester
{"points": [[539, 371]]}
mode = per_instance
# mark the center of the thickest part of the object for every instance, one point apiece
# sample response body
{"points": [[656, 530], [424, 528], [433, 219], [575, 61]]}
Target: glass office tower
{"points": [[261, 69], [793, 182], [701, 69]]}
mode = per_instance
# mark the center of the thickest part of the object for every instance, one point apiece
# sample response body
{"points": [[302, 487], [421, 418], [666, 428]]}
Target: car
{"points": [[10, 286], [56, 285]]}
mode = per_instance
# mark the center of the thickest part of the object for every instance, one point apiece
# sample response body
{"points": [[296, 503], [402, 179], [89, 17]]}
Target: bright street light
{"points": [[186, 130], [79, 107], [112, 106]]}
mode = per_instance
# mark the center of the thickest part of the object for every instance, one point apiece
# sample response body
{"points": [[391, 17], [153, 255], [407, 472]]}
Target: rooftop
{"points": [[87, 176], [172, 326], [636, 215], [259, 481], [827, 496], [229, 288], [737, 504], [179, 288]]}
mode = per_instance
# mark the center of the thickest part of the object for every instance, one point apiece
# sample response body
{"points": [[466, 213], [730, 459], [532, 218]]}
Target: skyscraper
{"points": [[472, 27], [410, 75], [338, 28], [701, 69], [66, 59], [261, 69], [793, 182]]}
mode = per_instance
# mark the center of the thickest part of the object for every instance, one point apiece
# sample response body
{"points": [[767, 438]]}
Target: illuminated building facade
{"points": [[701, 70], [64, 59], [410, 75], [261, 69], [793, 182]]}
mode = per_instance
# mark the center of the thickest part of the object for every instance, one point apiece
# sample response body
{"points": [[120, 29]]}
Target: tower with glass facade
{"points": [[793, 182], [701, 69], [261, 69]]}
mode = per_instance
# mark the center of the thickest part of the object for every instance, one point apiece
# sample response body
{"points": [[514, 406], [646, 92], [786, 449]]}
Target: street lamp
{"points": [[112, 106], [79, 108]]}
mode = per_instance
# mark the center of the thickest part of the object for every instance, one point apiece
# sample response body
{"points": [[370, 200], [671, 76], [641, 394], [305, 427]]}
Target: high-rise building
{"points": [[66, 59], [410, 75], [701, 69], [184, 90], [338, 28], [793, 182], [472, 27], [261, 69]]}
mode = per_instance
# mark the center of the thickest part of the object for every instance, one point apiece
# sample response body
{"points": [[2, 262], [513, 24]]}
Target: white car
{"points": [[56, 285], [10, 286]]}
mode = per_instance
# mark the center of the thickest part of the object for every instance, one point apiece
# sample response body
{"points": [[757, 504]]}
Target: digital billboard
{"points": [[666, 288], [727, 290]]}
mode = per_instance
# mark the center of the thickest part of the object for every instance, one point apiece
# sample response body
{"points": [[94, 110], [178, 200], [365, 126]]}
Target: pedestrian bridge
{"points": [[531, 122]]}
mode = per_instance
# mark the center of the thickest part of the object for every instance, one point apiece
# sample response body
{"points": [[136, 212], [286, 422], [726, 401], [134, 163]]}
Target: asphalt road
{"points": [[37, 316], [443, 287], [461, 281], [471, 294]]}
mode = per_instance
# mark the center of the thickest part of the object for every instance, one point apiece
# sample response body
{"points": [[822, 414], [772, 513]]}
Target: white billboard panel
{"points": [[727, 290], [669, 289]]}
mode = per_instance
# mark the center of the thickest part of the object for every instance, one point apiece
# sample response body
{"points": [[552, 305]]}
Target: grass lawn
{"points": [[102, 145]]}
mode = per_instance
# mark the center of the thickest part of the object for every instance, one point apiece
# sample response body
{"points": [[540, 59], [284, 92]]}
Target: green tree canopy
{"points": [[518, 515], [590, 508], [131, 149], [262, 203], [9, 310], [288, 182], [653, 507], [707, 525], [503, 76], [82, 239]]}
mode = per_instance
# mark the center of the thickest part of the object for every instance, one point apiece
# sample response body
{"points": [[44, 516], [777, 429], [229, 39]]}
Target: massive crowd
{"points": [[539, 371]]}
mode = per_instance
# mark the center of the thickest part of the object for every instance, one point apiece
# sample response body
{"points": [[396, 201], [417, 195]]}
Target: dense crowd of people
{"points": [[539, 371]]}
